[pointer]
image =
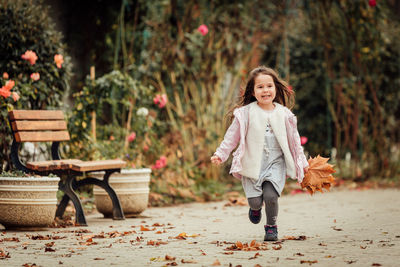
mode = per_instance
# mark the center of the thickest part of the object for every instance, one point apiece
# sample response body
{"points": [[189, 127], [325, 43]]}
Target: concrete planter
{"points": [[28, 201], [132, 188]]}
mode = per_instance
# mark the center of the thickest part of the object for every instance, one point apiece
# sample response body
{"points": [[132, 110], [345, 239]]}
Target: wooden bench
{"points": [[50, 126]]}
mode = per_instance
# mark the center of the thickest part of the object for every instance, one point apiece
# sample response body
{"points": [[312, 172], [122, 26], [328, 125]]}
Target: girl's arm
{"points": [[231, 139], [297, 143]]}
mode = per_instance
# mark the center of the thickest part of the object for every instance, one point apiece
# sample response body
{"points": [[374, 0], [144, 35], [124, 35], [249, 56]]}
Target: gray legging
{"points": [[270, 197]]}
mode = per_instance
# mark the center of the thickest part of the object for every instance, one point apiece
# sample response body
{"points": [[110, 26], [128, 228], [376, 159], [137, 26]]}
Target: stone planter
{"points": [[132, 188], [28, 201]]}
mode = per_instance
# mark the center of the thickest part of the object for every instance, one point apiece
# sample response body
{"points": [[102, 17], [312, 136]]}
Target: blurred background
{"points": [[150, 82]]}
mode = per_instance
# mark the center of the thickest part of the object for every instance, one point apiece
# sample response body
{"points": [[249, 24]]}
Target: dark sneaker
{"points": [[271, 233], [255, 216]]}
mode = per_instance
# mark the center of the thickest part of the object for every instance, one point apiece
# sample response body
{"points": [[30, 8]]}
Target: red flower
{"points": [[59, 60], [372, 3], [290, 88], [4, 93], [132, 137], [30, 56], [35, 76], [203, 29], [303, 140]]}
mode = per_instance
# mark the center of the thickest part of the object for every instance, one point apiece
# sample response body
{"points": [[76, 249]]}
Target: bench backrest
{"points": [[38, 125]]}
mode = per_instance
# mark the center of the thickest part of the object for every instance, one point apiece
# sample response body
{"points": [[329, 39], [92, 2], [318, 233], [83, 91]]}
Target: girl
{"points": [[269, 147]]}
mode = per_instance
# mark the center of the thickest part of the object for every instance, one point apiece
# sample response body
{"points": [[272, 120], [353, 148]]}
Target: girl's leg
{"points": [[270, 197], [255, 204]]}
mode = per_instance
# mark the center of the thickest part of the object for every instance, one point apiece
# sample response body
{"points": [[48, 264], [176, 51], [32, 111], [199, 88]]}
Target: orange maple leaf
{"points": [[319, 175]]}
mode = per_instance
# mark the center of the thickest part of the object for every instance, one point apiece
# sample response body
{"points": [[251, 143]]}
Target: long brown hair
{"points": [[284, 95]]}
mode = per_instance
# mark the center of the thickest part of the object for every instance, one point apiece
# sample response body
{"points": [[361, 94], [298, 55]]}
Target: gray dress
{"points": [[273, 167]]}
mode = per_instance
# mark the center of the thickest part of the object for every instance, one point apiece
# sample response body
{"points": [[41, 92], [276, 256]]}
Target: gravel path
{"points": [[338, 228]]}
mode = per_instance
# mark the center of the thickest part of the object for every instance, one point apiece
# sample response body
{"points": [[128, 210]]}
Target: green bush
{"points": [[26, 25]]}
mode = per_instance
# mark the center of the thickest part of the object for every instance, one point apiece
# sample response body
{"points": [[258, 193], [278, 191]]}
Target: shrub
{"points": [[26, 26]]}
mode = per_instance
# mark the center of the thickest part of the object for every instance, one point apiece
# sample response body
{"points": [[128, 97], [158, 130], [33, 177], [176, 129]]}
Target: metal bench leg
{"points": [[70, 194], [118, 214], [61, 207]]}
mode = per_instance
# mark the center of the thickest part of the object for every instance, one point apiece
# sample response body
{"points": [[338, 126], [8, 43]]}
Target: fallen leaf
{"points": [[188, 261], [336, 229], [49, 244], [47, 249], [363, 247], [376, 264], [142, 228], [228, 252], [29, 265], [319, 175], [322, 244], [4, 254], [99, 259], [255, 256], [277, 247], [172, 264], [350, 262], [169, 258], [216, 263], [309, 262], [299, 254], [290, 237]]}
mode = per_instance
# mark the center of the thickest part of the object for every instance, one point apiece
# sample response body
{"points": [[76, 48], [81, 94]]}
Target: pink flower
{"points": [[290, 88], [30, 56], [372, 3], [203, 29], [132, 137], [160, 163], [303, 140], [145, 148], [35, 76], [59, 60], [15, 96], [161, 100], [9, 85], [5, 76], [156, 99]]}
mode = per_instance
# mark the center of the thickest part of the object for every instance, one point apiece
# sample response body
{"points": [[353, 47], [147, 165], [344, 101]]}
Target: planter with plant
{"points": [[132, 188]]}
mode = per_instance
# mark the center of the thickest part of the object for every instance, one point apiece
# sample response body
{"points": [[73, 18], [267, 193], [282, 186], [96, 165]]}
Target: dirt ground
{"points": [[339, 228]]}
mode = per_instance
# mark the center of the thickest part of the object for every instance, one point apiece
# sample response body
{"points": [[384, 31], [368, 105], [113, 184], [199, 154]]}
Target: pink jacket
{"points": [[236, 133]]}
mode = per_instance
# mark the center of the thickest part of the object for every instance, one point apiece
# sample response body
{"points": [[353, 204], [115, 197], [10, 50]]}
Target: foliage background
{"points": [[341, 57]]}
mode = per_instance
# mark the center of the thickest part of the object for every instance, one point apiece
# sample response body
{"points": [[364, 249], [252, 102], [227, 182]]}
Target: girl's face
{"points": [[264, 91]]}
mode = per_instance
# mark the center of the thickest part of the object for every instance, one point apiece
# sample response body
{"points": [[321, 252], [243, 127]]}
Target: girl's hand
{"points": [[305, 170], [216, 160]]}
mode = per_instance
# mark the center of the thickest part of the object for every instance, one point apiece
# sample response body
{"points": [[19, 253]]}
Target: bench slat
{"points": [[50, 165], [36, 115], [98, 165], [42, 136], [39, 125]]}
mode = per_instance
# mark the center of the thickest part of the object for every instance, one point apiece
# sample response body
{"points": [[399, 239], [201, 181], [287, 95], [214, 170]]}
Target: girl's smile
{"points": [[264, 91]]}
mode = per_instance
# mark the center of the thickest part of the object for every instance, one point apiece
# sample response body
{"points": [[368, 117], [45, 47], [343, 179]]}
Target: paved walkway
{"points": [[360, 228]]}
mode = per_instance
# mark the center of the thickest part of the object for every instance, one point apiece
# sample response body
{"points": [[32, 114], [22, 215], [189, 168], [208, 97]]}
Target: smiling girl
{"points": [[264, 131]]}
